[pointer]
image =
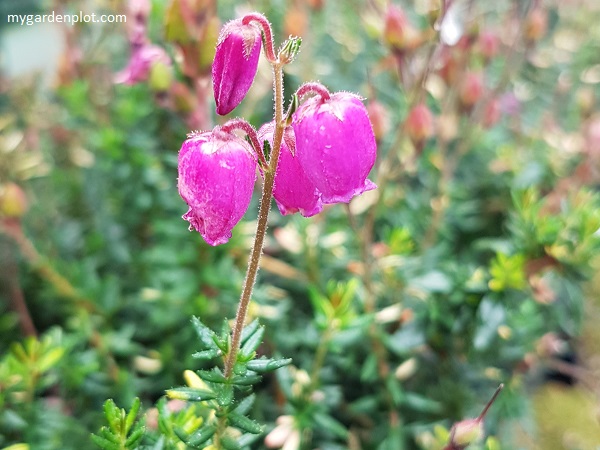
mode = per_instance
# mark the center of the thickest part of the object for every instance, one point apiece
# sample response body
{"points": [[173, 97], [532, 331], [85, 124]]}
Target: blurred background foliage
{"points": [[402, 312]]}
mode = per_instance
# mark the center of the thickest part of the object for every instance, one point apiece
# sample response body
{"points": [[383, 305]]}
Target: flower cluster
{"points": [[325, 152]]}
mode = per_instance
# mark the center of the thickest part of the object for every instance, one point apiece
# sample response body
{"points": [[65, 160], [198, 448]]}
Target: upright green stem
{"points": [[319, 358], [261, 228]]}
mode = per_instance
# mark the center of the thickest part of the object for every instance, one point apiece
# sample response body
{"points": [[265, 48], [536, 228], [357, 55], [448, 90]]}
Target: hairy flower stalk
{"points": [[263, 214], [241, 124], [265, 26], [294, 191]]}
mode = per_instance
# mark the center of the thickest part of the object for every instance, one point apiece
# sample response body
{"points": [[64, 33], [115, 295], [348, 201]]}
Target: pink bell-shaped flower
{"points": [[335, 145], [216, 178], [293, 191], [235, 64]]}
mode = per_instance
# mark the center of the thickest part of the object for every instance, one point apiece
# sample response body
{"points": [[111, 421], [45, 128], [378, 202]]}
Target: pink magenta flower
{"points": [[335, 145], [141, 62], [235, 64], [293, 192], [216, 178]]}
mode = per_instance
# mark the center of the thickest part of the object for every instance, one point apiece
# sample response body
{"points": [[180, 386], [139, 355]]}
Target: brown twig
{"points": [[9, 275], [63, 287]]}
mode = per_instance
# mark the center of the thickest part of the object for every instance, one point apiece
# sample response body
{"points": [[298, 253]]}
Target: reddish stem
{"points": [[9, 275], [262, 223], [241, 124], [313, 87], [267, 32], [487, 407]]}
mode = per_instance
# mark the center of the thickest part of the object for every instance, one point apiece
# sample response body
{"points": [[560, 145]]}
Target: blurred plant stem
{"points": [[365, 234], [201, 116], [63, 287], [319, 359], [513, 62], [9, 275], [41, 265], [370, 304]]}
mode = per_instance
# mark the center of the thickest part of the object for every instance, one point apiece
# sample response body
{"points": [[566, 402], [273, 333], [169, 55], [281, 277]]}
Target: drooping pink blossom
{"points": [[335, 145], [216, 178], [293, 191], [235, 64]]}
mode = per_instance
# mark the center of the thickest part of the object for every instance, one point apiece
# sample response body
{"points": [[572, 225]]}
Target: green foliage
{"points": [[28, 368], [124, 432], [507, 272], [225, 399], [397, 314], [567, 235]]}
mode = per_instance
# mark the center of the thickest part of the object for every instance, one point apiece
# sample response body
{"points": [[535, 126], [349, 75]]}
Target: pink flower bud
{"points": [[335, 145], [469, 431], [536, 24], [398, 32], [419, 123], [235, 64], [140, 9], [466, 432], [492, 113], [489, 44], [293, 191], [13, 201], [143, 59], [471, 88], [216, 178], [449, 65]]}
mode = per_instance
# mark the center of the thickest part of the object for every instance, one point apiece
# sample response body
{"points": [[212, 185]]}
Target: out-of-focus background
{"points": [[473, 264]]}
